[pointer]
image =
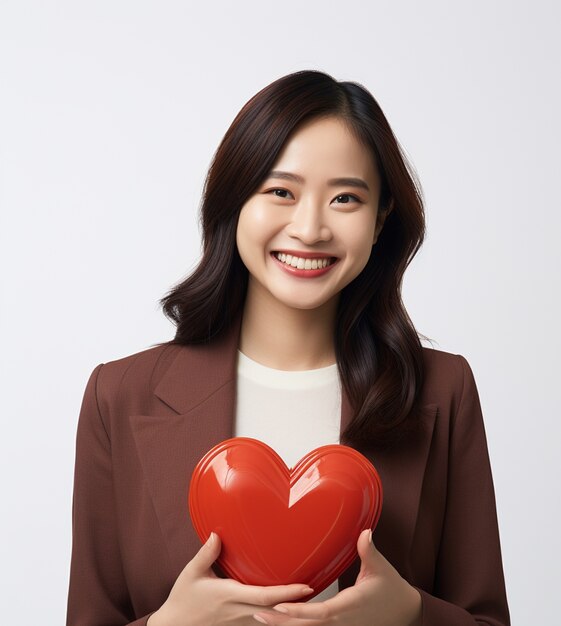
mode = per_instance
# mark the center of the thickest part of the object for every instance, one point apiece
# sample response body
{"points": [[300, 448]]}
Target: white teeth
{"points": [[301, 263]]}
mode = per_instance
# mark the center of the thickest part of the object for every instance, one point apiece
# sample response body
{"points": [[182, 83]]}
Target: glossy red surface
{"points": [[278, 525]]}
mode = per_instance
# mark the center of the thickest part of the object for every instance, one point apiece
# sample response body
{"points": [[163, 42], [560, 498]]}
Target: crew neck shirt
{"points": [[292, 411]]}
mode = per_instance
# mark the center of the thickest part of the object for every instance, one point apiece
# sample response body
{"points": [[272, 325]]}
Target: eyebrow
{"points": [[333, 182]]}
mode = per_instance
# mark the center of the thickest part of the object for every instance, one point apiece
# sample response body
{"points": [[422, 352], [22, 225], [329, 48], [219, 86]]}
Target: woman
{"points": [[291, 330]]}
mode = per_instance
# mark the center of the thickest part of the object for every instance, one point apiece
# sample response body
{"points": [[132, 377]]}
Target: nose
{"points": [[308, 223]]}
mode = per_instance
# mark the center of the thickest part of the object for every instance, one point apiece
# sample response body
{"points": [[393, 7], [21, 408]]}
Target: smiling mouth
{"points": [[302, 263]]}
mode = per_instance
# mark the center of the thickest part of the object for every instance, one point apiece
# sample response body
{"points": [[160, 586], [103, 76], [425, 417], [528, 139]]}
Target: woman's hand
{"points": [[200, 598], [379, 597]]}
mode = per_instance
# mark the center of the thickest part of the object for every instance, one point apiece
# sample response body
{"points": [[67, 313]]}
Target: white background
{"points": [[109, 115]]}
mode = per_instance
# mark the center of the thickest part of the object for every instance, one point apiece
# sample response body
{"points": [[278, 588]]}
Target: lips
{"points": [[305, 260]]}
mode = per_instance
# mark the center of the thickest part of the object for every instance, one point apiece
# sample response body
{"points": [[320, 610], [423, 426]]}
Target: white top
{"points": [[293, 412]]}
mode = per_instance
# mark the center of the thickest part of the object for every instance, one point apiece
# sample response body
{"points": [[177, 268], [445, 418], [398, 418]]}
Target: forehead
{"points": [[326, 147]]}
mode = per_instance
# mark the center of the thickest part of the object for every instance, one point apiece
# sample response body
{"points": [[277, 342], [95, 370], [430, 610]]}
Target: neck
{"points": [[286, 338]]}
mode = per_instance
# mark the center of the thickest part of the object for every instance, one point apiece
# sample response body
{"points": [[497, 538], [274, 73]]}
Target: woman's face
{"points": [[309, 229]]}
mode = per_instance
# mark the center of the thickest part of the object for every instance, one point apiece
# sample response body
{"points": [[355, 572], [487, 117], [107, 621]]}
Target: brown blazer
{"points": [[147, 419]]}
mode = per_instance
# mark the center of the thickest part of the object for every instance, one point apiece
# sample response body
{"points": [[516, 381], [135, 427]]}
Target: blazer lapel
{"points": [[199, 393], [401, 472]]}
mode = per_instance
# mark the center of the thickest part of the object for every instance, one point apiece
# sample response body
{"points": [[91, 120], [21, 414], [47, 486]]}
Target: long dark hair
{"points": [[378, 351]]}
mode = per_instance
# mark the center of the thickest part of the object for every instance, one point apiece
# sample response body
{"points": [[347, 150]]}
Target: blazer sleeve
{"points": [[97, 593], [469, 586]]}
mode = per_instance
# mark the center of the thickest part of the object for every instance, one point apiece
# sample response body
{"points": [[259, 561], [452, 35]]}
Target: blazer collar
{"points": [[199, 371], [198, 391]]}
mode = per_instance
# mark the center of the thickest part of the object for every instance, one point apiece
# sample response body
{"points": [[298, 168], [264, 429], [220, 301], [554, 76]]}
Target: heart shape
{"points": [[281, 525]]}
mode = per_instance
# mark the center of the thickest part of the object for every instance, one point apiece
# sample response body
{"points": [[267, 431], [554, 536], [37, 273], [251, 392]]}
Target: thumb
{"points": [[207, 554], [367, 553]]}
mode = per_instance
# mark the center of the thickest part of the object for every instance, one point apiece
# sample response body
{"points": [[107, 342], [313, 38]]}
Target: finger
{"points": [[309, 613], [303, 610], [280, 619], [364, 543], [333, 607], [371, 559], [273, 620], [273, 594], [205, 557], [283, 620]]}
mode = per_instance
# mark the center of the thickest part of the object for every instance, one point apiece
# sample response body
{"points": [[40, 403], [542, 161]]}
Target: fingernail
{"points": [[370, 537], [281, 609], [260, 619], [211, 538], [307, 589]]}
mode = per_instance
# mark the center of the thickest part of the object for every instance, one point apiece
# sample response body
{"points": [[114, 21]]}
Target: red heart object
{"points": [[281, 525]]}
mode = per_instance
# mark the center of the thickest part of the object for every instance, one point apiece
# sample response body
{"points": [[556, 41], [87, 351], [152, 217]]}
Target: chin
{"points": [[303, 304], [306, 307]]}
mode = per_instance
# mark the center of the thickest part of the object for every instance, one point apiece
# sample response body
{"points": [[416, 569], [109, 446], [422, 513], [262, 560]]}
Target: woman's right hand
{"points": [[200, 598]]}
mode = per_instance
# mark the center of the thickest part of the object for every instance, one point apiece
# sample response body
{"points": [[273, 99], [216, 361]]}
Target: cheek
{"points": [[255, 227], [360, 243], [362, 257], [359, 248], [251, 236], [242, 239]]}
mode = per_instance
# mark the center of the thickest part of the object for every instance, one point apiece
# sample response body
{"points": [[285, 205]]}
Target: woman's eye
{"points": [[347, 197], [280, 193]]}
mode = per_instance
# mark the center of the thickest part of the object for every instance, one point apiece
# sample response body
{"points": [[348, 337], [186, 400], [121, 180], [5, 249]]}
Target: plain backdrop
{"points": [[110, 113]]}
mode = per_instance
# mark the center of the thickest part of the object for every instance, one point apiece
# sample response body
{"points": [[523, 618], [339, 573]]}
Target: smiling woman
{"points": [[302, 248], [291, 330]]}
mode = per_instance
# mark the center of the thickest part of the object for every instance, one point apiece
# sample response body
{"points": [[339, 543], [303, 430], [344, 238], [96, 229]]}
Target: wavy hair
{"points": [[378, 351]]}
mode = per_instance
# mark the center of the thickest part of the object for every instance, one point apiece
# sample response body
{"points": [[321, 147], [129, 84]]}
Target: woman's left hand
{"points": [[379, 597]]}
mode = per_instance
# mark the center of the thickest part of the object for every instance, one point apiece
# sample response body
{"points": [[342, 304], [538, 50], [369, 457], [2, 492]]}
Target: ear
{"points": [[381, 218]]}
